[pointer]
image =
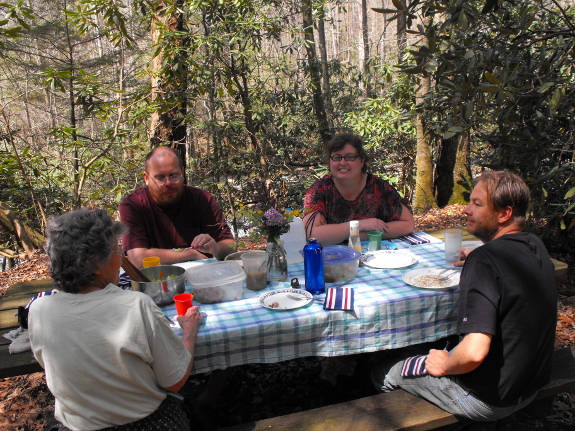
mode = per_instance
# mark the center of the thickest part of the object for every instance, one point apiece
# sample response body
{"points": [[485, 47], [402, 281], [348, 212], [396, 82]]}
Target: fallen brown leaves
{"points": [[26, 402], [34, 268]]}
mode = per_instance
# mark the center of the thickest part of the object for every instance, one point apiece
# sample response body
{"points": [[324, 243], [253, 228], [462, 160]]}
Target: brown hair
{"points": [[506, 189]]}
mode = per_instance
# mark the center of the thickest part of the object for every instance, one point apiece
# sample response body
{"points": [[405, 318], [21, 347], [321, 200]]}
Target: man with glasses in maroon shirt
{"points": [[168, 219]]}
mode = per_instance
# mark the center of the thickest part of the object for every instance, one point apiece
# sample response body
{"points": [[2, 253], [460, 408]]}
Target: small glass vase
{"points": [[277, 261]]}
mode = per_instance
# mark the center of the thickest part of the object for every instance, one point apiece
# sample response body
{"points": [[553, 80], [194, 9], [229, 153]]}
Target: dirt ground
{"points": [[260, 391]]}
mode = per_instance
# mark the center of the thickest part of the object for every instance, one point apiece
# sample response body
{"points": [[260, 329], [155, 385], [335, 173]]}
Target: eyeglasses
{"points": [[348, 157], [174, 179]]}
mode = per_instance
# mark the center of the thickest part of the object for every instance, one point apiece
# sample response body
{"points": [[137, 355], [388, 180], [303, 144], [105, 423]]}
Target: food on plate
{"points": [[431, 280], [274, 305]]}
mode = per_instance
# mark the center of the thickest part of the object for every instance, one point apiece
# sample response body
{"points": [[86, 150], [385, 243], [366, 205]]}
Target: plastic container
{"points": [[216, 282], [294, 241], [162, 292], [340, 262]]}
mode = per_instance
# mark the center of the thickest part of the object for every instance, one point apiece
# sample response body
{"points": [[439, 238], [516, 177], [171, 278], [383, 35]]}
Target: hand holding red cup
{"points": [[183, 301]]}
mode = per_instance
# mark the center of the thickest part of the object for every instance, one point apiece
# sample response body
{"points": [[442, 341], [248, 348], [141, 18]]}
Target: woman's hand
{"points": [[190, 322], [370, 224]]}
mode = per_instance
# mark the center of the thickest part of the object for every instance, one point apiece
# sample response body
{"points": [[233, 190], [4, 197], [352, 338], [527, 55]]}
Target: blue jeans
{"points": [[447, 393]]}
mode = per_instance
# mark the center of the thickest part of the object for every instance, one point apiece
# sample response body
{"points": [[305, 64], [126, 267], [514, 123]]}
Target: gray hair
{"points": [[79, 243]]}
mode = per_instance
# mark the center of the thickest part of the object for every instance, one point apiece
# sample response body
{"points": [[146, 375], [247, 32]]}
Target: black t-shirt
{"points": [[508, 290]]}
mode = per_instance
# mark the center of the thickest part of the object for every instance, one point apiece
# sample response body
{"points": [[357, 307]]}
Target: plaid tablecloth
{"points": [[388, 314]]}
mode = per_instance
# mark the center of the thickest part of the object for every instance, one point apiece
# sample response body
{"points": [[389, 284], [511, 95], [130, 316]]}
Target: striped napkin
{"points": [[339, 298], [414, 239], [414, 366]]}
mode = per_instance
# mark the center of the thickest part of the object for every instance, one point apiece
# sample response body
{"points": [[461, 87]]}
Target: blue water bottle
{"points": [[313, 266]]}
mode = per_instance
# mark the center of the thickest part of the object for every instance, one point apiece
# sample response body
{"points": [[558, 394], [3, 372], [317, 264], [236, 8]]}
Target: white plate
{"points": [[388, 259], [190, 264], [278, 299], [471, 245], [429, 278]]}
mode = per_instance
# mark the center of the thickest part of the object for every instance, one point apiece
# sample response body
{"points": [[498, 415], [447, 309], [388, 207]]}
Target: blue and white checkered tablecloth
{"points": [[388, 314]]}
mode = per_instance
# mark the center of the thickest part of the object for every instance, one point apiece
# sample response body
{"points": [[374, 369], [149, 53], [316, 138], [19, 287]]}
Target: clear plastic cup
{"points": [[452, 239], [255, 266]]}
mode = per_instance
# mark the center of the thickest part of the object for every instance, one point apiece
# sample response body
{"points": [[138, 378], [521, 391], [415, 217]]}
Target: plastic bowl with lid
{"points": [[340, 262], [216, 282]]}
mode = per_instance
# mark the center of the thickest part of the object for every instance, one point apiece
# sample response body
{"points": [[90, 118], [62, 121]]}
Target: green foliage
{"points": [[15, 20], [389, 133], [506, 77]]}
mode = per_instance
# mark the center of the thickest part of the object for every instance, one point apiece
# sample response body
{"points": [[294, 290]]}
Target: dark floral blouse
{"points": [[377, 200]]}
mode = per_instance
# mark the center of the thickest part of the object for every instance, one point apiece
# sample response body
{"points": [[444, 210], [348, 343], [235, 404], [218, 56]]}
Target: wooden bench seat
{"points": [[15, 296], [399, 410]]}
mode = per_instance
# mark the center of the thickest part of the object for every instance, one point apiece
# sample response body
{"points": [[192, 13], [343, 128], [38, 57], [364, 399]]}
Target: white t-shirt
{"points": [[108, 355]]}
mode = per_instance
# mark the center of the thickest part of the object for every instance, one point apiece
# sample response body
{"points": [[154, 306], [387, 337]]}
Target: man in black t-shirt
{"points": [[507, 314]]}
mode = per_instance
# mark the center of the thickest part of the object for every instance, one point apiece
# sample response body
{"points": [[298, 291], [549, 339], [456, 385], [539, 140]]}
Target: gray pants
{"points": [[447, 393]]}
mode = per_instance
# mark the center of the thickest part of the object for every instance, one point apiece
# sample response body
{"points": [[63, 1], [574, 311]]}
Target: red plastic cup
{"points": [[183, 302]]}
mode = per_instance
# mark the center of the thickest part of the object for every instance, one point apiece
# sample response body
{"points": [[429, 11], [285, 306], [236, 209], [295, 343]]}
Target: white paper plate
{"points": [[389, 259], [471, 245], [278, 299], [430, 278]]}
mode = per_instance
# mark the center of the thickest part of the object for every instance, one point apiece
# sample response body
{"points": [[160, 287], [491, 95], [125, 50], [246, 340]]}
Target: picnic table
{"points": [[388, 314]]}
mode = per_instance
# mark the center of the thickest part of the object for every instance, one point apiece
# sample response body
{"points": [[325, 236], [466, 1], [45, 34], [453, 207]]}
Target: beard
{"points": [[163, 200], [485, 230]]}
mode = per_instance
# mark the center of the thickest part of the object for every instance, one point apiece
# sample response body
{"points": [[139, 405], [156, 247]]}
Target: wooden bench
{"points": [[16, 295], [400, 410]]}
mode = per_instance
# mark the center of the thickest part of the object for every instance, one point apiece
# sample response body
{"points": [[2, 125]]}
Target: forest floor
{"points": [[261, 391]]}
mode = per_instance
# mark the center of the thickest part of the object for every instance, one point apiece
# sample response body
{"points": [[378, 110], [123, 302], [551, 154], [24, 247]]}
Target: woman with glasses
{"points": [[110, 356], [349, 192]]}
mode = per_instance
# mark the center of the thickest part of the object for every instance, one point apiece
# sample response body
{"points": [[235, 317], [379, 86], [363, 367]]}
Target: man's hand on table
{"points": [[464, 252], [204, 243]]}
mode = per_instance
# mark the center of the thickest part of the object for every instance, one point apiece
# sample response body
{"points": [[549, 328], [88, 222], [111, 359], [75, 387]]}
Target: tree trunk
{"points": [[28, 238], [319, 108], [423, 199], [401, 36], [325, 75], [461, 173], [169, 84], [365, 50], [444, 170]]}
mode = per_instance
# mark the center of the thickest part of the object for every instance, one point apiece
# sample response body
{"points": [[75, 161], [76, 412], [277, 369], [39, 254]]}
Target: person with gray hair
{"points": [[507, 315], [111, 359]]}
